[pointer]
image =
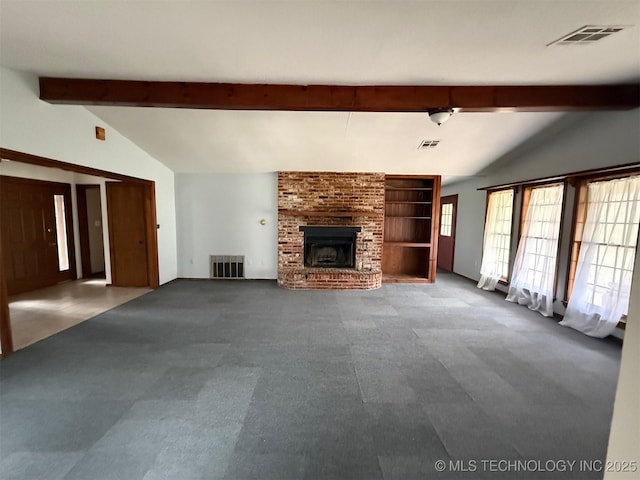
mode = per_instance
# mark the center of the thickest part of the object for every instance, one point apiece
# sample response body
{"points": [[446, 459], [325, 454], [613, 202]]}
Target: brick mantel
{"points": [[332, 199]]}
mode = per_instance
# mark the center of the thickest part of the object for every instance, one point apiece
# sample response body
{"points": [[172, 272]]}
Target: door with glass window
{"points": [[447, 235], [37, 237]]}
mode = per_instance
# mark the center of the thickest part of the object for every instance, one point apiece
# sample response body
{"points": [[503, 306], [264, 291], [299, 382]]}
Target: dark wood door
{"points": [[6, 337], [30, 234], [127, 234], [447, 235]]}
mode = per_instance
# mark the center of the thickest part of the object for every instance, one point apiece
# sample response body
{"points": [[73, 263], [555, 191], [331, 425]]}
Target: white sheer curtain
{"points": [[533, 277], [602, 285], [497, 239]]}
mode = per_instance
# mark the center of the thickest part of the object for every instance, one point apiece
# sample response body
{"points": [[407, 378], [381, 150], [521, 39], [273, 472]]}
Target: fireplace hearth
{"points": [[329, 247], [343, 257]]}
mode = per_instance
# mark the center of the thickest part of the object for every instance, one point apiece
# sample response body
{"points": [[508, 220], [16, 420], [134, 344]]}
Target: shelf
{"points": [[410, 228], [403, 278], [407, 244], [321, 213], [421, 189]]}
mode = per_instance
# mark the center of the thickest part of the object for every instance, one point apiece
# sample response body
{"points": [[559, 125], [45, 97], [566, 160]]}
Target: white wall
{"points": [[624, 439], [36, 172], [219, 214], [67, 133]]}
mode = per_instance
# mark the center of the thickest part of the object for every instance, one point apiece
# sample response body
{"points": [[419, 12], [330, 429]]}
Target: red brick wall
{"points": [[358, 198]]}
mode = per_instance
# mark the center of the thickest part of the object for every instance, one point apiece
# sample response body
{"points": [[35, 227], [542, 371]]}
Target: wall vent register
{"points": [[227, 266]]}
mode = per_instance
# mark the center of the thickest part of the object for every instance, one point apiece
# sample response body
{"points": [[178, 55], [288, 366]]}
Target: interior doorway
{"points": [[62, 215], [447, 234], [91, 233]]}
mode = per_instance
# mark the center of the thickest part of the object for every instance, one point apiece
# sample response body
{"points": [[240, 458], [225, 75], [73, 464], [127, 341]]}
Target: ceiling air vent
{"points": [[428, 144], [588, 34]]}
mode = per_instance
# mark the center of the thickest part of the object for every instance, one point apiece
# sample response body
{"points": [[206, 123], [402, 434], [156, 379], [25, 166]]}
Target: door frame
{"points": [[454, 221], [64, 189], [83, 229], [150, 219], [83, 226], [6, 337]]}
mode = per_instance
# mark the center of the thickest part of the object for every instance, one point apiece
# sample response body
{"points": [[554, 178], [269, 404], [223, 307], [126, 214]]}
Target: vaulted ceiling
{"points": [[481, 42]]}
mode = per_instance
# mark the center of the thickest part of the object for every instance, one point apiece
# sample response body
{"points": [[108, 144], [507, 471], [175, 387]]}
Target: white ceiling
{"points": [[333, 42], [240, 141]]}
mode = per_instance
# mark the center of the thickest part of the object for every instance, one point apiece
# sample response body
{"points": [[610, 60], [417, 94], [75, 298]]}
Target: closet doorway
{"points": [[91, 232]]}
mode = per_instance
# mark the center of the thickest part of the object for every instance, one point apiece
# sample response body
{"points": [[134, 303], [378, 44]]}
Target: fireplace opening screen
{"points": [[329, 247]]}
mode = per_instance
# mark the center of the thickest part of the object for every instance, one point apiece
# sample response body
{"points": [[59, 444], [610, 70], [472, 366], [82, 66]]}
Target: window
{"points": [[61, 233], [497, 239], [597, 269], [617, 234], [534, 272], [446, 219], [606, 243], [542, 209], [578, 225], [614, 240]]}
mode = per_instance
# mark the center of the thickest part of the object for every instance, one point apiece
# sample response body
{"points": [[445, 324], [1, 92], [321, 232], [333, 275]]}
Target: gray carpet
{"points": [[243, 380]]}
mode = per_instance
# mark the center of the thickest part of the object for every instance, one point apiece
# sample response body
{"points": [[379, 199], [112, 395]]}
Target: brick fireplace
{"points": [[352, 201]]}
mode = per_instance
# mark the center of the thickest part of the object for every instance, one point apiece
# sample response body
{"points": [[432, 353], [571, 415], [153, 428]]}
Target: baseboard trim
{"points": [[475, 282], [556, 316], [198, 279]]}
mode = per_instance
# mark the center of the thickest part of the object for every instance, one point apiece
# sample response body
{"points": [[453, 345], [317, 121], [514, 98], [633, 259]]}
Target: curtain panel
{"points": [[602, 285], [497, 239], [533, 278]]}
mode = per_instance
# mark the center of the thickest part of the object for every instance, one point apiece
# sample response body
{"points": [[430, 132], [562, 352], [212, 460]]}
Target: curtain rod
{"points": [[626, 168]]}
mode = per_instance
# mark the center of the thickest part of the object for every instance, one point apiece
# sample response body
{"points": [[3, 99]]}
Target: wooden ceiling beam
{"points": [[341, 98]]}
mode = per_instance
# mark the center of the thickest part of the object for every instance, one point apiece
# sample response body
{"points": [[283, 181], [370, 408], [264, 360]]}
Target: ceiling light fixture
{"points": [[440, 115]]}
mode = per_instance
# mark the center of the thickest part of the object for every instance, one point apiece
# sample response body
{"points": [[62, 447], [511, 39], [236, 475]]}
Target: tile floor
{"points": [[47, 311]]}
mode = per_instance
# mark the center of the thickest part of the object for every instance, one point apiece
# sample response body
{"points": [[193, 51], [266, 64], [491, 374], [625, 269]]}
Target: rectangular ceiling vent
{"points": [[588, 34], [428, 144]]}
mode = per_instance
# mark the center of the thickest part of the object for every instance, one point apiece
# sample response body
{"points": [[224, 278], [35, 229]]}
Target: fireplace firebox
{"points": [[329, 247]]}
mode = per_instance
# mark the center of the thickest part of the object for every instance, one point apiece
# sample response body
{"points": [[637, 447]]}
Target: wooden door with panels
{"points": [[447, 233], [37, 233], [128, 234]]}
